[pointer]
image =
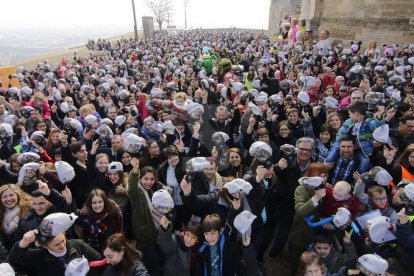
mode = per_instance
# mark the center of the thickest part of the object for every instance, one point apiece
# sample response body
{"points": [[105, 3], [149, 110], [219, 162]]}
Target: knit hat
{"points": [[314, 181], [377, 174], [342, 217], [25, 111], [382, 134], [373, 264], [238, 185], [243, 221], [162, 199], [77, 267], [90, 119], [6, 270], [377, 228], [254, 109], [27, 177], [115, 167], [73, 123], [197, 164], [261, 151], [133, 143], [156, 92], [53, 225], [28, 157], [64, 171], [119, 120]]}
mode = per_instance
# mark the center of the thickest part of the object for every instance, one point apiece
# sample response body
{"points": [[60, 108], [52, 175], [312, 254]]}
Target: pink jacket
{"points": [[45, 107]]}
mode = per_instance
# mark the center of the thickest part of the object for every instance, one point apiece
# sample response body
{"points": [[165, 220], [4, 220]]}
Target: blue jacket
{"points": [[364, 136], [405, 236]]}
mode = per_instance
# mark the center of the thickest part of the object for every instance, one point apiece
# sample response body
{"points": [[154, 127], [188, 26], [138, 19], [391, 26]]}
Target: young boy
{"points": [[332, 258], [339, 196], [361, 127]]}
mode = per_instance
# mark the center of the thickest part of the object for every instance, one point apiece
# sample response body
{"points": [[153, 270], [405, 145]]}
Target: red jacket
{"points": [[330, 206]]}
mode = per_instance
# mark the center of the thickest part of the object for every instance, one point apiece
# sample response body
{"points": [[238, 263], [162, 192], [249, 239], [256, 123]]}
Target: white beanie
{"points": [[119, 120], [64, 171], [314, 181], [77, 267], [238, 185], [6, 270], [90, 119], [382, 134], [377, 228], [260, 150], [53, 225], [254, 109], [342, 217], [28, 157]]}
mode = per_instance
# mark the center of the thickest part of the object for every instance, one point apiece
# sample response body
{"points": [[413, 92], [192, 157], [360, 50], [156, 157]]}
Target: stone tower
{"points": [[382, 20]]}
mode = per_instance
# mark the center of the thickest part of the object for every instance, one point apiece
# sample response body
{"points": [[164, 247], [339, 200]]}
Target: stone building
{"points": [[382, 20]]}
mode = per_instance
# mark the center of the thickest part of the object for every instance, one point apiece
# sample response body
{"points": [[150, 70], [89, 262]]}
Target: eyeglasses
{"points": [[305, 150]]}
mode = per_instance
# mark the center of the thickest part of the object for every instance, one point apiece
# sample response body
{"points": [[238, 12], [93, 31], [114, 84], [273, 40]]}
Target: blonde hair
{"points": [[309, 258], [24, 201], [87, 108], [180, 95], [40, 97]]}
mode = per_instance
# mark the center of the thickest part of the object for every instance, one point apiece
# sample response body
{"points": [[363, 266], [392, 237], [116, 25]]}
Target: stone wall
{"points": [[382, 20]]}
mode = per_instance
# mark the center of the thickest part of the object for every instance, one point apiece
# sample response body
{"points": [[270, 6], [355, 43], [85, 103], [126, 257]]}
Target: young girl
{"points": [[179, 249], [99, 219], [122, 258], [146, 222], [312, 265], [39, 101]]}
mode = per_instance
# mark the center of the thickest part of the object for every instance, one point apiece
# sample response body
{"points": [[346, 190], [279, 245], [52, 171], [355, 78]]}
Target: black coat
{"points": [[45, 264], [137, 269]]}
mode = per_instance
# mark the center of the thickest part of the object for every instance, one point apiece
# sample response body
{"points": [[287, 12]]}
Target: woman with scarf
{"points": [[14, 205], [148, 132], [146, 219], [99, 218]]}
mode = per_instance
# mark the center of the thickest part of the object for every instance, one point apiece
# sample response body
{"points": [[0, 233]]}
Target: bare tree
{"points": [[162, 10]]}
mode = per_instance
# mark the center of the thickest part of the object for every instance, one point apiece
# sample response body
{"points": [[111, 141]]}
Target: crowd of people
{"points": [[202, 153]]}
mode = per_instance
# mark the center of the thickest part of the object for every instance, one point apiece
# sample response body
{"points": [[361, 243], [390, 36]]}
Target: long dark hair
{"points": [[117, 242], [109, 206]]}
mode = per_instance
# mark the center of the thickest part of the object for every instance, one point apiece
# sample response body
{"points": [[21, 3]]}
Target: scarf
{"points": [[156, 216], [11, 220], [149, 135]]}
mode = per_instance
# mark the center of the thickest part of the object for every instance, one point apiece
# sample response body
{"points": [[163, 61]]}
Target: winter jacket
{"points": [[405, 236], [45, 264], [143, 227], [336, 260], [138, 269], [179, 258], [364, 136]]}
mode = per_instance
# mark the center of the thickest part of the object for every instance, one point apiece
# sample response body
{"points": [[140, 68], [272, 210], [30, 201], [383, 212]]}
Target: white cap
{"points": [[331, 102], [107, 121], [28, 157], [90, 119], [409, 191], [195, 110], [64, 107], [303, 97], [260, 150], [10, 120], [53, 225], [220, 135], [342, 217], [382, 134], [25, 169], [238, 86], [64, 171], [243, 221], [373, 263], [169, 127], [377, 174], [162, 198], [256, 84], [6, 270], [77, 267], [7, 129], [37, 133], [156, 92], [105, 130], [74, 123], [238, 185], [119, 120], [254, 109], [314, 181], [115, 167], [197, 164], [377, 228], [261, 97], [132, 143]]}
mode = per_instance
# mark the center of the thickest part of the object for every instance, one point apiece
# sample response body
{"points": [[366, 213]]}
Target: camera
{"points": [[171, 215], [266, 164]]}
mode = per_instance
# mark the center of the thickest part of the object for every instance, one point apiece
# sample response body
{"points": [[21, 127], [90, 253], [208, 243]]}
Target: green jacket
{"points": [[301, 234], [143, 227]]}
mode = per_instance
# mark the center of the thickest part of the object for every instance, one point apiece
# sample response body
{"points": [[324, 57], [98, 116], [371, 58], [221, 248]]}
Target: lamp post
{"points": [[135, 20], [185, 12]]}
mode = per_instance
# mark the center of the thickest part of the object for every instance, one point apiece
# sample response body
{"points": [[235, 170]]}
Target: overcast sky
{"points": [[59, 13]]}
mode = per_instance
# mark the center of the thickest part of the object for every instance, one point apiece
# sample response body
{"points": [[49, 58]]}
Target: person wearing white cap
{"points": [[54, 250], [117, 190], [371, 264]]}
